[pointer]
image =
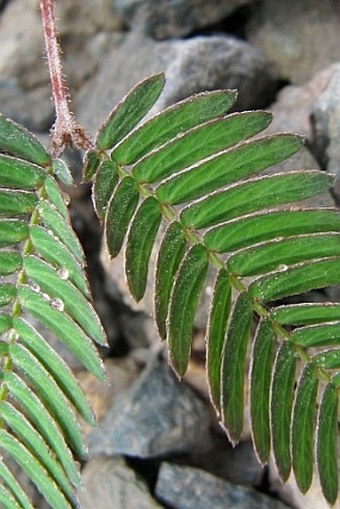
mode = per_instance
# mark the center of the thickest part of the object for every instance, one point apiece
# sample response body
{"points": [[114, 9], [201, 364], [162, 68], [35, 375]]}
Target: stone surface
{"points": [[190, 488], [163, 19], [300, 36], [193, 65], [109, 483], [157, 415]]}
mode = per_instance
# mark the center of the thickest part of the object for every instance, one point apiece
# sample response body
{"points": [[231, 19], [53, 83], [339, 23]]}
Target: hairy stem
{"points": [[65, 130]]}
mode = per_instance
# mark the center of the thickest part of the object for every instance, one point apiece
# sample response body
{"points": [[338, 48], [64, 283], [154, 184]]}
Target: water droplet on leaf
{"points": [[57, 304], [63, 273]]}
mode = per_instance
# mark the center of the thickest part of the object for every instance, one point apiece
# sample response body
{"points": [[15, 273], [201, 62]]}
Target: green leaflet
{"points": [[329, 359], [7, 499], [60, 227], [170, 254], [317, 335], [12, 231], [230, 165], [5, 322], [16, 203], [15, 487], [233, 367], [297, 279], [60, 371], [141, 238], [10, 261], [19, 142], [50, 394], [90, 165], [306, 313], [16, 173], [62, 172], [119, 214], [173, 121], [33, 470], [216, 328], [129, 111], [185, 296], [303, 428], [196, 144], [8, 292], [31, 439], [260, 381], [54, 251], [55, 196], [326, 449], [50, 314], [281, 407], [71, 299], [269, 255], [255, 194], [105, 182], [247, 230], [43, 422]]}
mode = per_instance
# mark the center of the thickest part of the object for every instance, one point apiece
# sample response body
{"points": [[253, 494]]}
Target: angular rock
{"points": [[300, 36], [163, 19], [185, 487], [158, 415], [109, 483], [193, 65]]}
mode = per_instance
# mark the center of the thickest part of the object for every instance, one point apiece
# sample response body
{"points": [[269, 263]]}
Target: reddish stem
{"points": [[65, 130]]}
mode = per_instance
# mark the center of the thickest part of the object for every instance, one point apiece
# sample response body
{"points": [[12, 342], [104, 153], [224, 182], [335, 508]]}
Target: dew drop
{"points": [[57, 304], [63, 273], [282, 267], [35, 287], [45, 296]]}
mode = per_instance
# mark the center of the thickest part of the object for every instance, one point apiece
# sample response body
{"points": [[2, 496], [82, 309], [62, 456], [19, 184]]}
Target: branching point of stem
{"points": [[66, 130]]}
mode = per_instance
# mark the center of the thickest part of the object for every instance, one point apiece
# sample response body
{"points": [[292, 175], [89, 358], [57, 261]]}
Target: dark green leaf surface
{"points": [[326, 449], [226, 167], [185, 296], [91, 164], [72, 300], [129, 111], [12, 231], [303, 428], [60, 371], [297, 279], [16, 203], [29, 437], [10, 261], [50, 394], [255, 194], [306, 313], [7, 293], [254, 228], [317, 335], [281, 407], [33, 470], [216, 329], [233, 367], [141, 238], [5, 322], [15, 487], [329, 359], [43, 422], [55, 196], [62, 229], [119, 214], [105, 182], [62, 172], [173, 121], [54, 251], [16, 173], [63, 327], [197, 144], [260, 380], [169, 258], [268, 256], [19, 142]]}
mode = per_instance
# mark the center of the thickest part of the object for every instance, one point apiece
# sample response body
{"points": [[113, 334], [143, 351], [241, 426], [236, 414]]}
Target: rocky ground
{"points": [[158, 444]]}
